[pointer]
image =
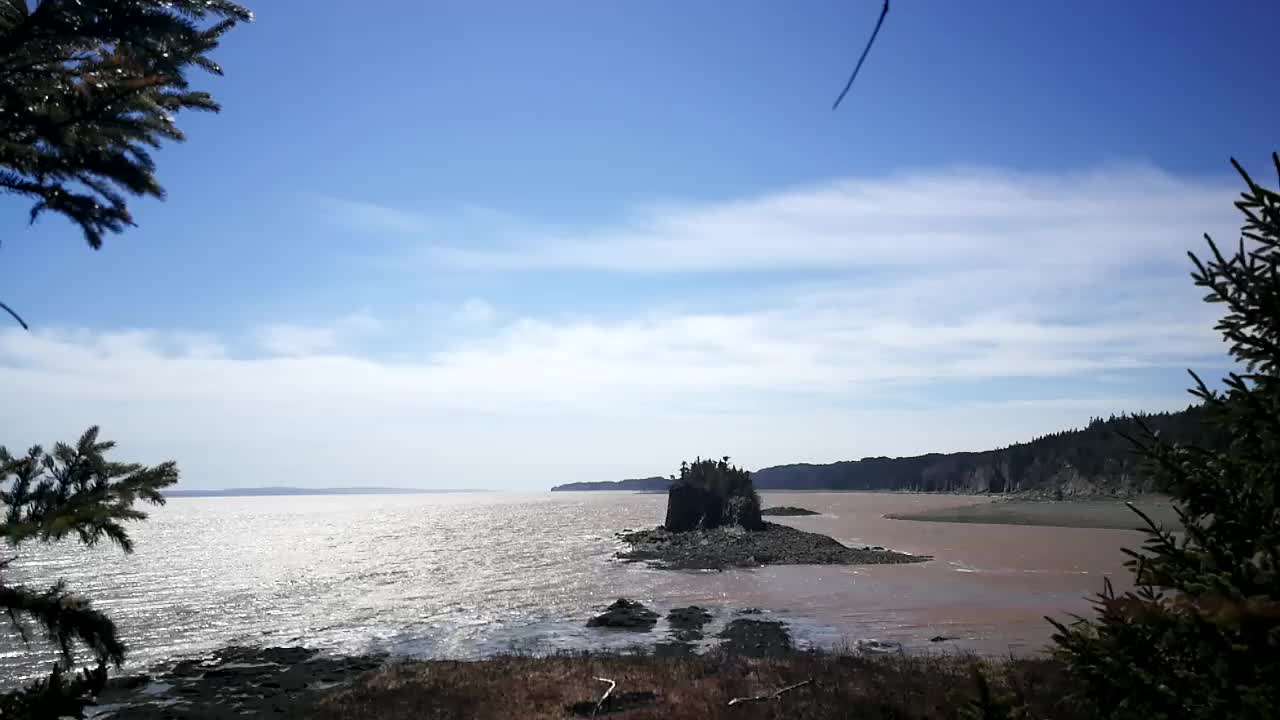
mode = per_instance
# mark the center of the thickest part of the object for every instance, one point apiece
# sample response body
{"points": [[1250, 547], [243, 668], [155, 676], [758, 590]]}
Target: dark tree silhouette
{"points": [[87, 88], [1200, 635], [710, 493], [72, 491]]}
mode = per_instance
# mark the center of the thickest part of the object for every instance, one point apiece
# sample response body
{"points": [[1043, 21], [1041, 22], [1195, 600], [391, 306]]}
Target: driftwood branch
{"points": [[884, 11], [771, 696], [606, 695]]}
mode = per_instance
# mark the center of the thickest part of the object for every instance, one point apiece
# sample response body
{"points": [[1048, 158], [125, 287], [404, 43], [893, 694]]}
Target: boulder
{"points": [[688, 618], [756, 638], [625, 615]]}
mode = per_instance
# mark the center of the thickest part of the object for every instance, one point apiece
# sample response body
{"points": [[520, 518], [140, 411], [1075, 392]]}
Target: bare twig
{"points": [[606, 695], [884, 11], [770, 696], [15, 315]]}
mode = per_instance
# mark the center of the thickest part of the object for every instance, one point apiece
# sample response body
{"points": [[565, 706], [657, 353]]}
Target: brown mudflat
{"points": [[1112, 514]]}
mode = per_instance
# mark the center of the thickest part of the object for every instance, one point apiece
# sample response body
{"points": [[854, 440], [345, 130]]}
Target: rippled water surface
{"points": [[469, 575]]}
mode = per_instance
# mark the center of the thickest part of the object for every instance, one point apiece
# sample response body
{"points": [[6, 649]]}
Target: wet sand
{"points": [[1103, 514]]}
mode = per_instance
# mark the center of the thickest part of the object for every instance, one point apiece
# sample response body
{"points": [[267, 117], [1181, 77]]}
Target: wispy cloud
{"points": [[983, 218], [899, 288]]}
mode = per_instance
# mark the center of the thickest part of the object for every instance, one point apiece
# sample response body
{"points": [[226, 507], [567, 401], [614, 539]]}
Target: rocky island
{"points": [[788, 511], [714, 522]]}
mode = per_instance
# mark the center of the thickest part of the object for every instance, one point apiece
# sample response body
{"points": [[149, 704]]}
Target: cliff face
{"points": [[1095, 460]]}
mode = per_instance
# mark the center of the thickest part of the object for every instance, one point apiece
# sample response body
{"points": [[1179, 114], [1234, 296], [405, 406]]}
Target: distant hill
{"points": [[649, 484], [1093, 461], [270, 491]]}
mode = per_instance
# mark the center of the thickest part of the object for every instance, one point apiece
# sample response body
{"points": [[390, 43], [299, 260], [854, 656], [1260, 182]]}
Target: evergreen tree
{"points": [[711, 493], [1199, 637], [87, 87], [73, 491]]}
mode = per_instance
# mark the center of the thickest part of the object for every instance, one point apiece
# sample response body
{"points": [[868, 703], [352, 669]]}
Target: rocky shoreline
{"points": [[238, 682], [233, 682], [727, 547]]}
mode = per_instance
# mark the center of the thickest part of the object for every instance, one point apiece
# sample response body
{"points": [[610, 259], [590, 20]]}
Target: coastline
{"points": [[652, 681]]}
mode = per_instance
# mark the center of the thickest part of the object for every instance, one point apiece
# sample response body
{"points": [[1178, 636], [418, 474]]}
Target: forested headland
{"points": [[1096, 460]]}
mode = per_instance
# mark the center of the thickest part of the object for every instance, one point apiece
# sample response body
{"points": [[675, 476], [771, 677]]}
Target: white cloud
{"points": [[978, 218], [930, 282], [295, 339], [539, 402], [475, 313]]}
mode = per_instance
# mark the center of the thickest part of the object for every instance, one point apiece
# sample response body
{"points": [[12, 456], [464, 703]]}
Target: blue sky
{"points": [[509, 244]]}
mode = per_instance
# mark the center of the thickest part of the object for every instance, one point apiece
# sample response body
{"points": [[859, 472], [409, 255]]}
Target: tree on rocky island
{"points": [[712, 493], [1199, 637], [46, 497]]}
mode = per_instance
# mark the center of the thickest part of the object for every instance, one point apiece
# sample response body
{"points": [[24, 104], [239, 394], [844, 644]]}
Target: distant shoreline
{"points": [[294, 491]]}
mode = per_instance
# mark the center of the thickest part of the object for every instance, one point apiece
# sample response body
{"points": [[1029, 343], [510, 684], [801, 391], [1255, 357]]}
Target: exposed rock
{"points": [[240, 682], [232, 682], [710, 494], [625, 614], [686, 623], [787, 511], [735, 547], [686, 506], [756, 638], [688, 617], [941, 638], [880, 647], [744, 511]]}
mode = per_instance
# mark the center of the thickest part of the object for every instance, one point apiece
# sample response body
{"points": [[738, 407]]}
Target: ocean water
{"points": [[464, 576]]}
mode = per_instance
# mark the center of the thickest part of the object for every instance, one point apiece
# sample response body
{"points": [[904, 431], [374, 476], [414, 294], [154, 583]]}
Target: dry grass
{"points": [[843, 686]]}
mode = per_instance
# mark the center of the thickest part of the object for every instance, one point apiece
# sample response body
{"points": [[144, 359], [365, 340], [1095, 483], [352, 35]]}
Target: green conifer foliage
{"points": [[1199, 637], [711, 493], [72, 491], [88, 88]]}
